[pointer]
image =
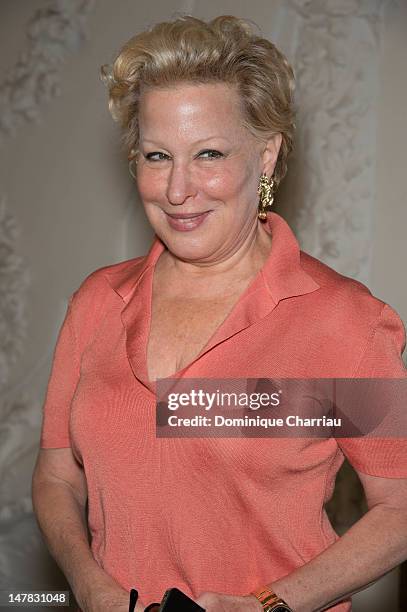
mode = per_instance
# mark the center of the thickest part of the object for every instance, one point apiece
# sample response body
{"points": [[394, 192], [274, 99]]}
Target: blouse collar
{"points": [[282, 272]]}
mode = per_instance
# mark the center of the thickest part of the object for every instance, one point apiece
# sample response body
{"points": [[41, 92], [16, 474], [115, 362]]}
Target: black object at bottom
{"points": [[133, 599], [175, 600]]}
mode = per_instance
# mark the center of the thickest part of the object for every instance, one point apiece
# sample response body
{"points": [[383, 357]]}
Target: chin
{"points": [[188, 247]]}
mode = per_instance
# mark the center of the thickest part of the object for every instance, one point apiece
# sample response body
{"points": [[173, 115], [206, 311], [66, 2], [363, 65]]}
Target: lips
{"points": [[186, 222], [186, 215]]}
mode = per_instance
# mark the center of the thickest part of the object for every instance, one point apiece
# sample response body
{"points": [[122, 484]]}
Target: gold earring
{"points": [[266, 193], [132, 157]]}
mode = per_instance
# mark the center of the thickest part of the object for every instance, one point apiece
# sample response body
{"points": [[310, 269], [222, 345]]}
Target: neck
{"points": [[223, 276]]}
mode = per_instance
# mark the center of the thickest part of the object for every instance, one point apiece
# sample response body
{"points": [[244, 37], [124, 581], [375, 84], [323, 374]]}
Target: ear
{"points": [[270, 154]]}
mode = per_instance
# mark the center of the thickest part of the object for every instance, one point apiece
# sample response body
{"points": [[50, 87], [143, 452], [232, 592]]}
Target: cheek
{"points": [[151, 184], [218, 184], [228, 182]]}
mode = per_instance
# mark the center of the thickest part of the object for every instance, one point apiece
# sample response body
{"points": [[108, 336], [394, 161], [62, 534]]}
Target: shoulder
{"points": [[104, 281], [342, 294], [102, 290], [347, 306]]}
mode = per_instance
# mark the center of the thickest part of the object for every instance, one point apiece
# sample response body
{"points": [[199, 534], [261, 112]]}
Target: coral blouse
{"points": [[214, 514]]}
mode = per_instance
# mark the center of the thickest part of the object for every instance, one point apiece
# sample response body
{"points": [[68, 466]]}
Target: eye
{"points": [[156, 156], [210, 154]]}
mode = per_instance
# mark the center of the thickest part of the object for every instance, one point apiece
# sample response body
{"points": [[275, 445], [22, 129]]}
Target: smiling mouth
{"points": [[186, 215]]}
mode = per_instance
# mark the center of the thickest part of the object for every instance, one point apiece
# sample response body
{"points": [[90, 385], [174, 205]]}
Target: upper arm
{"points": [[388, 491], [61, 387], [58, 465], [381, 461]]}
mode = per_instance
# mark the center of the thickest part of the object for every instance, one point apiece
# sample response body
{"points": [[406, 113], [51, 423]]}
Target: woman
{"points": [[224, 292]]}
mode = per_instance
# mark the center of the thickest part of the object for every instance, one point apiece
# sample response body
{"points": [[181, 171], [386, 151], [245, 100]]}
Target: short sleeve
{"points": [[61, 387], [382, 358]]}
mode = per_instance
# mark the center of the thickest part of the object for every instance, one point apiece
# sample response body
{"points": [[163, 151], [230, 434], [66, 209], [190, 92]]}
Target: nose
{"points": [[180, 186]]}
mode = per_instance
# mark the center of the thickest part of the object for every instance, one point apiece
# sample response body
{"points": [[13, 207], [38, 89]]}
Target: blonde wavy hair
{"points": [[190, 50]]}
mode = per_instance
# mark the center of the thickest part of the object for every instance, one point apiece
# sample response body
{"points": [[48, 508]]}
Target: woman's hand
{"points": [[217, 602]]}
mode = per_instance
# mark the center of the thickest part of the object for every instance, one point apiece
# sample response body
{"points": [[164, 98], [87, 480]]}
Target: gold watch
{"points": [[270, 601]]}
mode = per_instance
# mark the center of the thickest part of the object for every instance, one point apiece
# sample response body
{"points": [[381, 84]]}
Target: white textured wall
{"points": [[68, 191], [389, 277]]}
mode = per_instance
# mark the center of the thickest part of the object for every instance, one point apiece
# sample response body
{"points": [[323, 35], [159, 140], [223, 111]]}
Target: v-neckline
{"points": [[244, 312], [180, 371], [281, 276]]}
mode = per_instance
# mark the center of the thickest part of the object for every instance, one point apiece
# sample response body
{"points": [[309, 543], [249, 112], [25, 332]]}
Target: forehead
{"points": [[189, 109]]}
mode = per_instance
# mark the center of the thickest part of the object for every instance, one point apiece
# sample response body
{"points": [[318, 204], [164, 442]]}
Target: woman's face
{"points": [[196, 157]]}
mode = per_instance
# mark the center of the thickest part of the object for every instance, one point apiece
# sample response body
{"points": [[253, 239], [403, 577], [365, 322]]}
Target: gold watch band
{"points": [[268, 599]]}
